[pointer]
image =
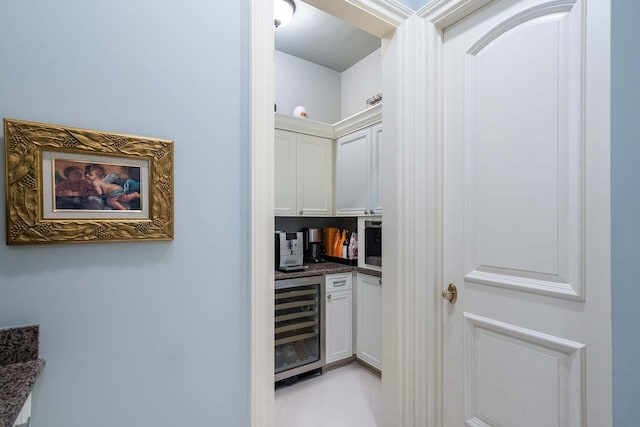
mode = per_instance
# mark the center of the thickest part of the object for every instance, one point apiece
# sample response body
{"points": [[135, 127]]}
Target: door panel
{"points": [[514, 214], [339, 316], [285, 173], [352, 173], [523, 144], [369, 319], [376, 140], [315, 176], [501, 358]]}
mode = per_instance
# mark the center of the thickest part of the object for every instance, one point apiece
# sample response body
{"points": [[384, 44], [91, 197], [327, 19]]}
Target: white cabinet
{"points": [[376, 141], [357, 173], [315, 176], [369, 319], [24, 417], [339, 311], [285, 173], [303, 175]]}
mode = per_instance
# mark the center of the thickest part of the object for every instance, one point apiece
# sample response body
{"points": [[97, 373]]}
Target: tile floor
{"points": [[348, 396]]}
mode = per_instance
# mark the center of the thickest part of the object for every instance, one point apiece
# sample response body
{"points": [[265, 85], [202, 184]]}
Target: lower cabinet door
{"points": [[24, 417], [338, 335], [369, 315]]}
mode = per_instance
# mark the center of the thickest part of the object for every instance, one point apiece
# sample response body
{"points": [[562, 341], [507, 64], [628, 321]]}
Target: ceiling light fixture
{"points": [[283, 11]]}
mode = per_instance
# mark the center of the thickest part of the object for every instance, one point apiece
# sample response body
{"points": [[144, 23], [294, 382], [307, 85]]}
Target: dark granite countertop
{"points": [[19, 368], [323, 268], [16, 382]]}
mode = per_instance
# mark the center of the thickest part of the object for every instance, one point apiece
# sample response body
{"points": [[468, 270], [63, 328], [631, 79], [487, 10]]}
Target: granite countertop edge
{"points": [[322, 269], [16, 382]]}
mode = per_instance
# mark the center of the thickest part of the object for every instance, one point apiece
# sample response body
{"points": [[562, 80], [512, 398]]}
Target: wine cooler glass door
{"points": [[298, 325]]}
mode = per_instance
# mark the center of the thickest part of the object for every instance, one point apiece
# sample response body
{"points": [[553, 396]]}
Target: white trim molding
{"points": [[422, 231], [305, 126], [378, 17], [361, 120], [411, 302], [358, 121], [389, 10], [262, 220], [442, 13]]}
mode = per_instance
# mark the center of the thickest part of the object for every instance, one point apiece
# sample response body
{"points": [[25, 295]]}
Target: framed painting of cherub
{"points": [[72, 185]]}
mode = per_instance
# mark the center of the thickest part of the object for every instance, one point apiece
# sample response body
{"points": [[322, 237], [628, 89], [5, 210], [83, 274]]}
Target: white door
{"points": [[376, 140], [369, 319], [315, 175], [339, 338], [285, 173], [352, 173], [527, 344]]}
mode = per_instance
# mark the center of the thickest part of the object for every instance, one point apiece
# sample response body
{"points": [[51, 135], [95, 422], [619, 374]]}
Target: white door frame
{"points": [[261, 374], [380, 17]]}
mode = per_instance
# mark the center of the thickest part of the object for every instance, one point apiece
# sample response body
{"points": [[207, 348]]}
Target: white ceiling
{"points": [[323, 39]]}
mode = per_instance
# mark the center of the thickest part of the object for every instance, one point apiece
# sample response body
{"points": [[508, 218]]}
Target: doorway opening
{"points": [[382, 23]]}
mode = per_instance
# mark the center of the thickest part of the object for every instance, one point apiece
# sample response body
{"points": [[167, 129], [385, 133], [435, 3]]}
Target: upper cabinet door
{"points": [[353, 174], [315, 176], [285, 173], [376, 140]]}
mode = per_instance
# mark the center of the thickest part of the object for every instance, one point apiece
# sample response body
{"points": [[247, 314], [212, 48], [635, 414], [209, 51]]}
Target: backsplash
{"points": [[297, 223]]}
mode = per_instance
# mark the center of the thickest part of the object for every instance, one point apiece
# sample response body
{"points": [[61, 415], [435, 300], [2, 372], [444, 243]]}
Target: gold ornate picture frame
{"points": [[71, 185]]}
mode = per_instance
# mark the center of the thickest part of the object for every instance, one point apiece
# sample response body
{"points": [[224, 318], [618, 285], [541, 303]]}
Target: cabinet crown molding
{"points": [[304, 126], [358, 121]]}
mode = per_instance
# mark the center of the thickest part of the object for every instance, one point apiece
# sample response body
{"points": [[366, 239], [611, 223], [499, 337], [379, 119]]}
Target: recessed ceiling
{"points": [[324, 39]]}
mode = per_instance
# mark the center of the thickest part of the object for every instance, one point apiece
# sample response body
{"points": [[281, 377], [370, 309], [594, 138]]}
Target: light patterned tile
{"points": [[376, 407], [342, 397]]}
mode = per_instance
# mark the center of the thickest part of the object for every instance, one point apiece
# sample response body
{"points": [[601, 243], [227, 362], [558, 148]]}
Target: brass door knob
{"points": [[450, 294]]}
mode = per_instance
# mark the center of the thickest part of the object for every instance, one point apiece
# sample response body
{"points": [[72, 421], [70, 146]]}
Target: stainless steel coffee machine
{"points": [[313, 244], [289, 252]]}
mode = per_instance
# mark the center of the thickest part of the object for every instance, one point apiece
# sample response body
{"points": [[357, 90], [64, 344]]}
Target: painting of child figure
{"points": [[96, 186]]}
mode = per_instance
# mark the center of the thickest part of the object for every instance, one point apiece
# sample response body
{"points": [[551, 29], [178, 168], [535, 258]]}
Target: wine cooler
{"points": [[299, 326]]}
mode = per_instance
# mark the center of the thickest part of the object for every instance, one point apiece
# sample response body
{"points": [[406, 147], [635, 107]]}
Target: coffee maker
{"points": [[289, 252], [313, 244]]}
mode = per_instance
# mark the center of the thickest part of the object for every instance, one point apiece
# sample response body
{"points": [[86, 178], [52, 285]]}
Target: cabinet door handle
{"points": [[380, 281], [301, 212], [329, 297], [371, 211], [341, 283]]}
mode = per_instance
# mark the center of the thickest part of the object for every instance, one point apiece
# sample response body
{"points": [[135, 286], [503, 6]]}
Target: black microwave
{"points": [[373, 243]]}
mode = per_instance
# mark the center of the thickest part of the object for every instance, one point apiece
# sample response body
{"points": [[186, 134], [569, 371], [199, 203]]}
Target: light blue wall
{"points": [[414, 4], [625, 210], [409, 3], [139, 334]]}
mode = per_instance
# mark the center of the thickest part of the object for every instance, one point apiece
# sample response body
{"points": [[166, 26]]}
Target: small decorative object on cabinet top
{"points": [[375, 99], [300, 111], [71, 185]]}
